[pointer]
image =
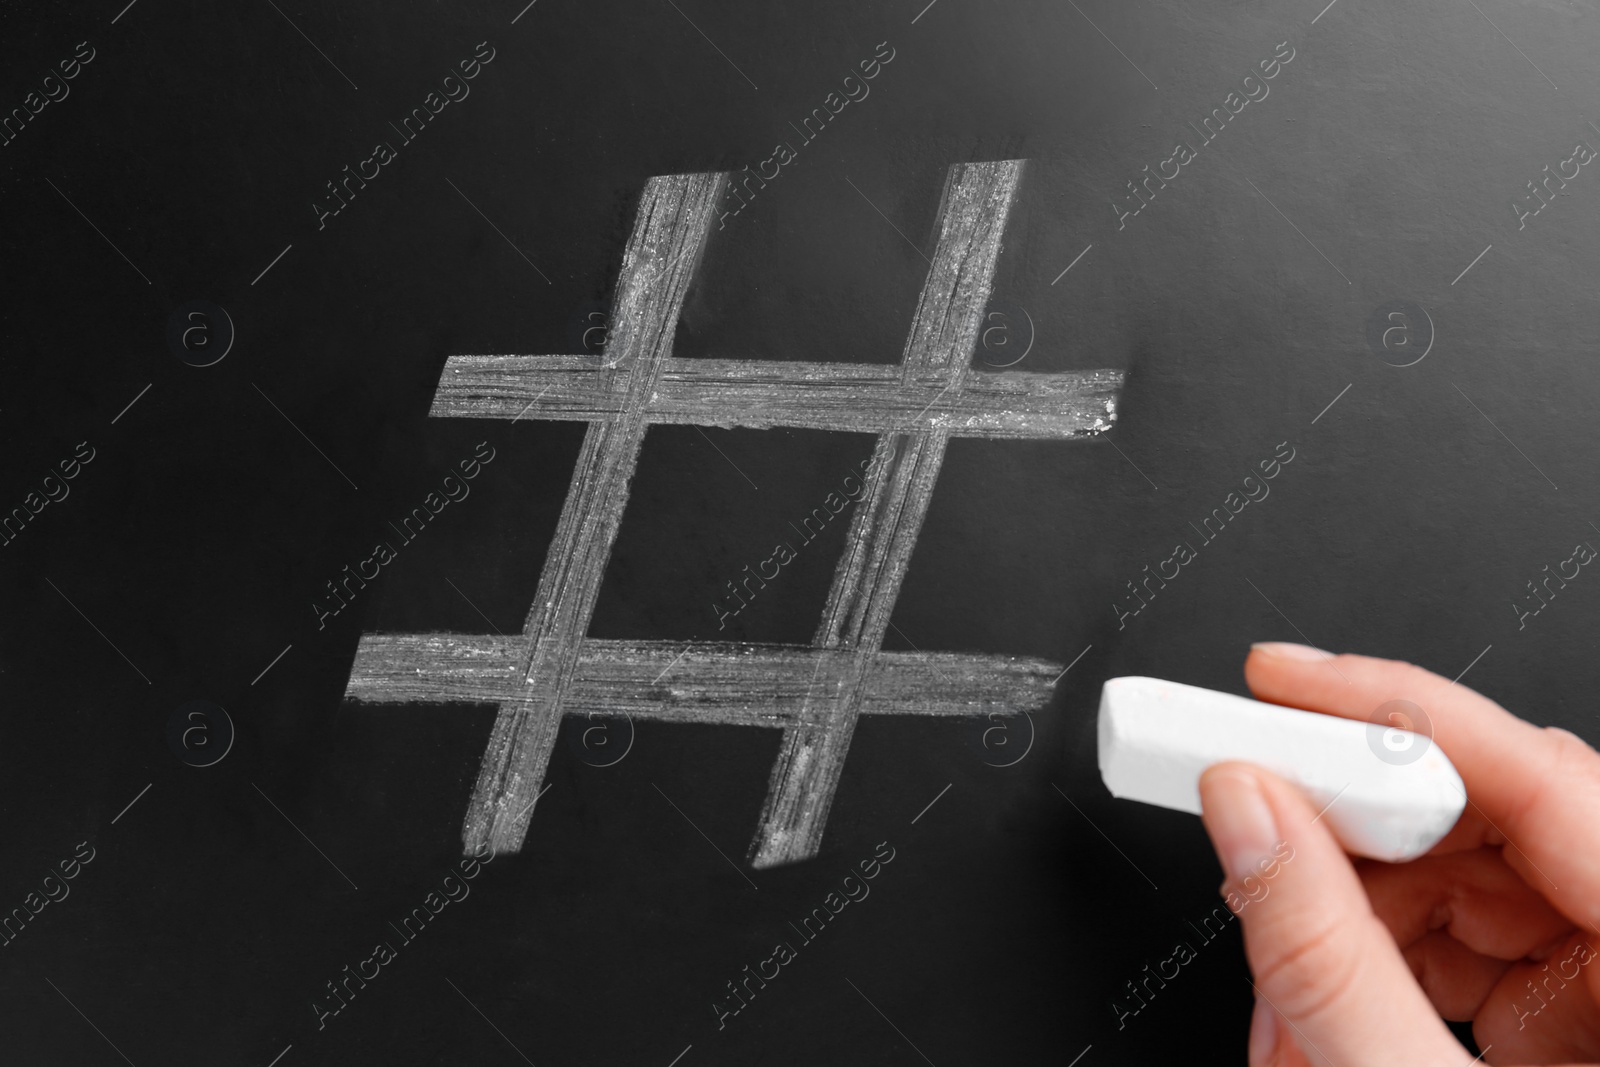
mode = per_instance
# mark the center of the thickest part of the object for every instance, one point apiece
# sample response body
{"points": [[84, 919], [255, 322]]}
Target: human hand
{"points": [[1355, 963]]}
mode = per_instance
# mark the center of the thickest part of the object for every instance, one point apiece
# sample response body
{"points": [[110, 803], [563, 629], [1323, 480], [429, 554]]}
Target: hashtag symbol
{"points": [[815, 693]]}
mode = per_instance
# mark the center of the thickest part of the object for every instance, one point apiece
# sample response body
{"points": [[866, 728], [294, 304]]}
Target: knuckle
{"points": [[1416, 681], [1318, 969], [1570, 765], [1399, 678], [1572, 749]]}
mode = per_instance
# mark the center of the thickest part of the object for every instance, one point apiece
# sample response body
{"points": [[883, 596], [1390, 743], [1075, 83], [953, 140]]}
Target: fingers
{"points": [[1536, 786], [1325, 964], [1473, 896], [1545, 1012], [1456, 979]]}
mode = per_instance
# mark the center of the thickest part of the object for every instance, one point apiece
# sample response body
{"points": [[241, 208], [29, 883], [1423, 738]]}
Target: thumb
{"points": [[1329, 978]]}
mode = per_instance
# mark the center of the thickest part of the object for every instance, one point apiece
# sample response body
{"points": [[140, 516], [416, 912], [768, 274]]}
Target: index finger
{"points": [[1538, 787]]}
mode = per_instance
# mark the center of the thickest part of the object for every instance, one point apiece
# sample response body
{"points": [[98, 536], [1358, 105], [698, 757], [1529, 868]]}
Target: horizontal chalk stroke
{"points": [[727, 684], [862, 398]]}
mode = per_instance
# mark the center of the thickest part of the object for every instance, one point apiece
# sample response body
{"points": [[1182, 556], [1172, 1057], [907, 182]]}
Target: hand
{"points": [[1354, 964]]}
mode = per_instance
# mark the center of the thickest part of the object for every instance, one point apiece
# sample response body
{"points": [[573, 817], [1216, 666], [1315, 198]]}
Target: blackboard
{"points": [[1360, 235]]}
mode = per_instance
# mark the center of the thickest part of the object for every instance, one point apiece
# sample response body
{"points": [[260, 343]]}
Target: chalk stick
{"points": [[1156, 737]]}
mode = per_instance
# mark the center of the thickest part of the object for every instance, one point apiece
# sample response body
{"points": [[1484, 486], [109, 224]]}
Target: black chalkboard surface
{"points": [[281, 558]]}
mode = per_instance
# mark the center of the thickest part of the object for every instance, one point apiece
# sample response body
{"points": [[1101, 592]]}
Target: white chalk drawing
{"points": [[813, 693]]}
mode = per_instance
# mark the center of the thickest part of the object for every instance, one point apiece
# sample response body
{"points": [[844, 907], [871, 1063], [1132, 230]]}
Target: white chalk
{"points": [[1156, 737]]}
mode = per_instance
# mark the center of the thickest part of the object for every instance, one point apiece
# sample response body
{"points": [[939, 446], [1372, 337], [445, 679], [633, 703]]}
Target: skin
{"points": [[1358, 962]]}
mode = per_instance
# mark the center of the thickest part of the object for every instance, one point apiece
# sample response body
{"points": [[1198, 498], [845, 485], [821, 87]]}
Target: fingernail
{"points": [[1303, 653], [1263, 1032], [1241, 824]]}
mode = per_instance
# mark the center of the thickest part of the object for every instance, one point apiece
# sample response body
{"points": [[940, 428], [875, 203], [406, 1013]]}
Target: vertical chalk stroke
{"points": [[883, 529], [674, 218], [813, 693]]}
